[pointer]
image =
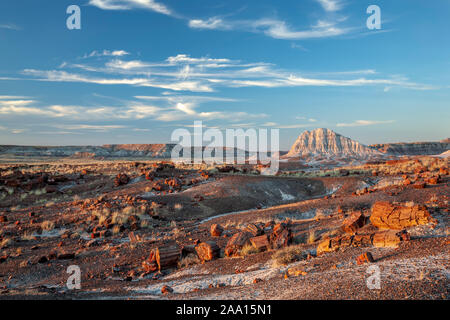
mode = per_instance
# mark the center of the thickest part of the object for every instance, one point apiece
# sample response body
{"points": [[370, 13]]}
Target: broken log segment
{"points": [[355, 221], [236, 243], [260, 243], [389, 239], [398, 217], [167, 257], [208, 251], [254, 229], [216, 230]]}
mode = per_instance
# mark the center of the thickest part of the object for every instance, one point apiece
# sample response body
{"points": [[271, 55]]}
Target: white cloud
{"points": [[63, 76], [277, 29], [107, 53], [18, 131], [90, 127], [12, 97], [211, 23], [126, 65], [131, 4], [330, 5], [360, 123], [183, 58]]}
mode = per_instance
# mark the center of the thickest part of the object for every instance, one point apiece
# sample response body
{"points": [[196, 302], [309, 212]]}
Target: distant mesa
{"points": [[327, 143]]}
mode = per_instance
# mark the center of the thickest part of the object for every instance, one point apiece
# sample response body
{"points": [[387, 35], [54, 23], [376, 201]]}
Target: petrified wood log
{"points": [[254, 229], [216, 230], [281, 239], [260, 243], [390, 216], [388, 238], [150, 264], [167, 257], [236, 243], [208, 251], [186, 250], [355, 221]]}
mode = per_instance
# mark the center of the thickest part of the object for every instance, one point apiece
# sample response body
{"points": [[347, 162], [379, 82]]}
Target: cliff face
{"points": [[325, 142], [415, 148]]}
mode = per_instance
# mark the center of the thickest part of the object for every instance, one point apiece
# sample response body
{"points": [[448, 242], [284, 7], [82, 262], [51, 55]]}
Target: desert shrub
{"points": [[189, 260], [288, 255]]}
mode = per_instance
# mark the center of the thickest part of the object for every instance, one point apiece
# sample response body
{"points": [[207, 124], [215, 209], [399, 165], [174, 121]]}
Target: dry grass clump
{"points": [[6, 243], [288, 255], [47, 225], [247, 250], [189, 260]]}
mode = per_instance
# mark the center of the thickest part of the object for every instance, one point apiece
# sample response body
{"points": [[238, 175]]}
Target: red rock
{"points": [[166, 290], [121, 179], [406, 182], [419, 185], [433, 180], [365, 258]]}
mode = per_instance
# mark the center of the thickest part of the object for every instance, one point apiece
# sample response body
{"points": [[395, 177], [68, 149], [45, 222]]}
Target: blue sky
{"points": [[138, 69]]}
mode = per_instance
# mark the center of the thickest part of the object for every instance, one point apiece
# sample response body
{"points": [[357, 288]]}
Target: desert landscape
{"points": [[141, 227]]}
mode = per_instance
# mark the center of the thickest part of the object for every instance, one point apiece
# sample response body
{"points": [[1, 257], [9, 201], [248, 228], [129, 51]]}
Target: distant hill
{"points": [[413, 148]]}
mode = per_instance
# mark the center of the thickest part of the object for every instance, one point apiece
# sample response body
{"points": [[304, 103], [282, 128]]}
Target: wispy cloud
{"points": [[330, 5], [9, 26], [274, 28], [131, 4], [106, 53], [205, 74], [361, 123]]}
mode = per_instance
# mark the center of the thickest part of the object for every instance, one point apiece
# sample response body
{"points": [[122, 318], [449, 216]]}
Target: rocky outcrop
{"points": [[325, 142]]}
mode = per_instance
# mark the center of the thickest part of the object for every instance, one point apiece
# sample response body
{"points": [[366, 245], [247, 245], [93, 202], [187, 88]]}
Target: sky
{"points": [[139, 69]]}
